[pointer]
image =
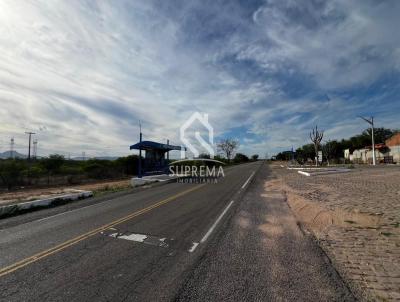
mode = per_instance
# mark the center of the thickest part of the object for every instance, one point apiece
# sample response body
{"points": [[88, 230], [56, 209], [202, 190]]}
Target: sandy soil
{"points": [[356, 219], [33, 194], [318, 217]]}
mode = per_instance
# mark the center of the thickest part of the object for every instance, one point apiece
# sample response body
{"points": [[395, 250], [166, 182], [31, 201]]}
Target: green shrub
{"points": [[11, 172], [70, 170], [53, 163], [74, 180], [240, 158]]}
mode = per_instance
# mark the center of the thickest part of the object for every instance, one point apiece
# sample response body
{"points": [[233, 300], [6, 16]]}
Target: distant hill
{"points": [[13, 154]]}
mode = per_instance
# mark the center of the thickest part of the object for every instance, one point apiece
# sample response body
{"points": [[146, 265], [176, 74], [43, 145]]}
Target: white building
{"points": [[384, 153]]}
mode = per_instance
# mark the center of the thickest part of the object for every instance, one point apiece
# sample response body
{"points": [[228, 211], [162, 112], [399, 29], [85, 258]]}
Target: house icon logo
{"points": [[207, 145]]}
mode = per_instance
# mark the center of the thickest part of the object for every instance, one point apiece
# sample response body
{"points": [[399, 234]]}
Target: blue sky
{"points": [[82, 73]]}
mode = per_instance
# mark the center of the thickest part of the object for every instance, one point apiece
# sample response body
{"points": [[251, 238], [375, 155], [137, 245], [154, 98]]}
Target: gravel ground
{"points": [[360, 231]]}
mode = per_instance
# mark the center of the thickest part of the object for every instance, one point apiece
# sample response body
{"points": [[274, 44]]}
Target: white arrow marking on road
{"points": [[195, 244], [132, 237]]}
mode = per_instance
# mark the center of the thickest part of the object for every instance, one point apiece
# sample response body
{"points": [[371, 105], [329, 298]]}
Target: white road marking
{"points": [[92, 205], [216, 222], [247, 181], [132, 237], [59, 214], [70, 211], [304, 173], [195, 244]]}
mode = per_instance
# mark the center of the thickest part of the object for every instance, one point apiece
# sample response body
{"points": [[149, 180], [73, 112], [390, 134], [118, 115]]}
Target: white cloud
{"points": [[339, 43], [85, 72]]}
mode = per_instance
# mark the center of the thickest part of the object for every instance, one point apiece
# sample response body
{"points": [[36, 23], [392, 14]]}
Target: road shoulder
{"points": [[263, 255]]}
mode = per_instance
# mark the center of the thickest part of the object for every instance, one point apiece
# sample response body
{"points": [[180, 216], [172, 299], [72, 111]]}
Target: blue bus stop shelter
{"points": [[154, 161]]}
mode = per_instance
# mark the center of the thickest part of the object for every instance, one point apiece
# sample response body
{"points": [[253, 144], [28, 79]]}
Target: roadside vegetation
{"points": [[333, 150], [56, 170]]}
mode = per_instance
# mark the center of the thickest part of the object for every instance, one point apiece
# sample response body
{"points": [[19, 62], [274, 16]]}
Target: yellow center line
{"points": [[20, 264]]}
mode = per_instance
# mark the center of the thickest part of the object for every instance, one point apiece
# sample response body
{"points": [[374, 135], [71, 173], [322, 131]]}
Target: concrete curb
{"points": [[314, 173], [307, 168], [319, 168], [138, 182], [13, 209]]}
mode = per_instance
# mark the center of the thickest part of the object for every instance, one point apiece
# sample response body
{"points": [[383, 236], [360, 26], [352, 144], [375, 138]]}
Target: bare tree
{"points": [[316, 137], [228, 147]]}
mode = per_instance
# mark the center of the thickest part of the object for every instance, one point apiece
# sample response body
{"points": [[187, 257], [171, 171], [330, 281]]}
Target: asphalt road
{"points": [[262, 254], [150, 245]]}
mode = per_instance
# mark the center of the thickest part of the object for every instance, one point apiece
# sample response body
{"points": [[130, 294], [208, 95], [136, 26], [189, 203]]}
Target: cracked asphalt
{"points": [[69, 255]]}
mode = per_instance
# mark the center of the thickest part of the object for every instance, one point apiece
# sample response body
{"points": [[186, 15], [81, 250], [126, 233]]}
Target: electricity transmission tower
{"points": [[371, 122], [316, 137], [35, 148], [29, 146]]}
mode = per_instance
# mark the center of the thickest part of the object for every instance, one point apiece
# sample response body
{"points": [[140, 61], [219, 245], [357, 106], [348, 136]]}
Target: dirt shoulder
{"points": [[355, 218], [261, 254], [32, 194]]}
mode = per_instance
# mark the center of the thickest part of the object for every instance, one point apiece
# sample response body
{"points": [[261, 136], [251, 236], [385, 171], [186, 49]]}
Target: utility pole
{"points": [[168, 151], [371, 122], [292, 155], [140, 151], [29, 148], [12, 155]]}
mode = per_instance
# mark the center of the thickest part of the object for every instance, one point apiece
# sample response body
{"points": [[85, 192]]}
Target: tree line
{"points": [[333, 150], [57, 170]]}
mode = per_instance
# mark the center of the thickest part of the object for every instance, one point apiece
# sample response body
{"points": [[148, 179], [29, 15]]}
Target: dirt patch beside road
{"points": [[33, 194], [317, 217], [356, 218]]}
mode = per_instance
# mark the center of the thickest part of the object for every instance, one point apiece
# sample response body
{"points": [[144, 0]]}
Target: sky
{"points": [[82, 74]]}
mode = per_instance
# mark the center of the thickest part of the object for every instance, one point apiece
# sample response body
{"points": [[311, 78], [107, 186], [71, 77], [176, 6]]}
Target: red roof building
{"points": [[393, 141]]}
